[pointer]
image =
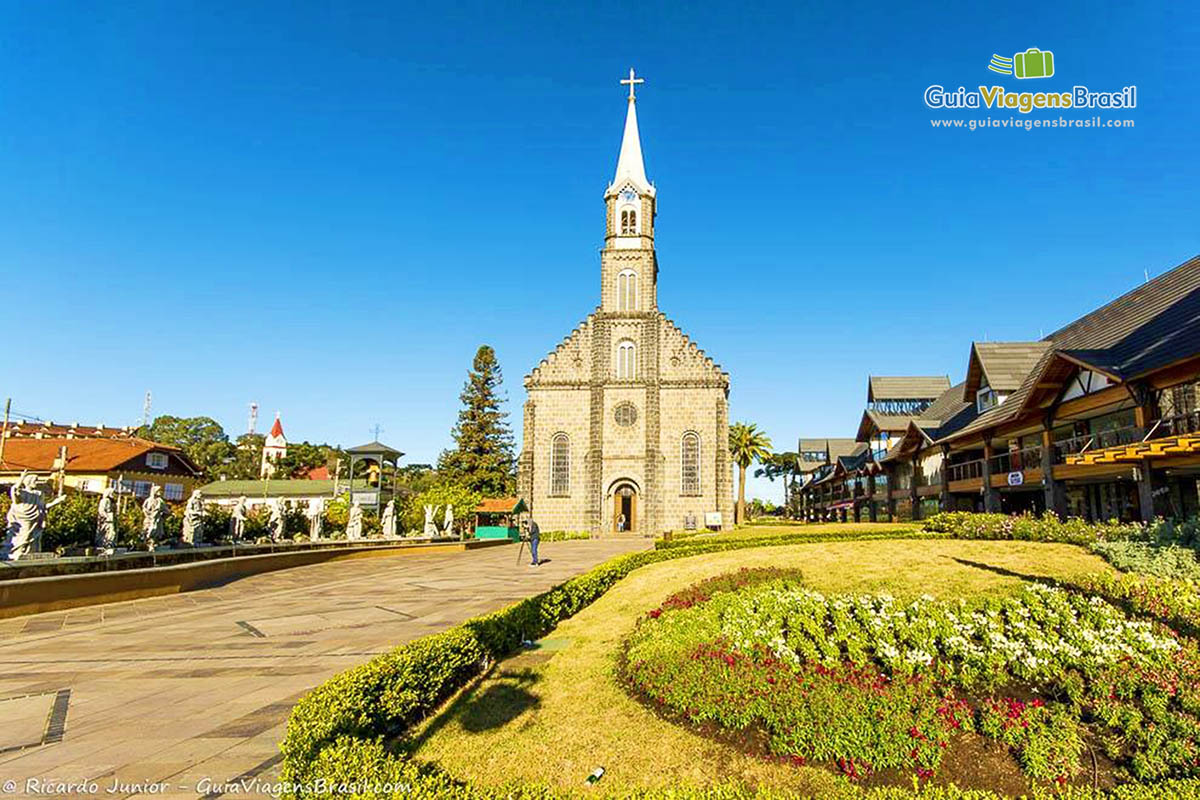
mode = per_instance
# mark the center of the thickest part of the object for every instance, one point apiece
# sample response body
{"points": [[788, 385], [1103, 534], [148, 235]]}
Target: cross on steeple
{"points": [[632, 81]]}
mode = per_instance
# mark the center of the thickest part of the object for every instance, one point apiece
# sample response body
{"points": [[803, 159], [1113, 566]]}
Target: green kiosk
{"points": [[498, 518]]}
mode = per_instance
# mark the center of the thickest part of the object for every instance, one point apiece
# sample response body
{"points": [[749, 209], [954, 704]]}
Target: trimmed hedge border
{"points": [[336, 735]]}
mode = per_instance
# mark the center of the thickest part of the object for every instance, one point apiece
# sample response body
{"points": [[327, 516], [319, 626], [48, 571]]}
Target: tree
{"points": [[463, 500], [785, 466], [303, 457], [482, 458], [245, 460], [202, 439], [747, 444]]}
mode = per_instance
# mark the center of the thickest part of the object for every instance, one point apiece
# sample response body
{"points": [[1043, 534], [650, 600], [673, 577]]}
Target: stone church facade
{"points": [[626, 421]]}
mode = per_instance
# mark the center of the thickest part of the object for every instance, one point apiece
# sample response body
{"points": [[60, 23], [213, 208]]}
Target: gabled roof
{"points": [[833, 447], [501, 505], [86, 455], [277, 428], [375, 448], [873, 420], [906, 387], [74, 430], [1145, 329], [1000, 365]]}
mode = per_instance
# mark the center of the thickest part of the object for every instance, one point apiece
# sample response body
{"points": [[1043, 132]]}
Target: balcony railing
{"points": [[965, 470], [1097, 441], [1017, 460]]}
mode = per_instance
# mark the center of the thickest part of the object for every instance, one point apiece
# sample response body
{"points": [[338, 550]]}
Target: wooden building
{"points": [[1100, 419]]}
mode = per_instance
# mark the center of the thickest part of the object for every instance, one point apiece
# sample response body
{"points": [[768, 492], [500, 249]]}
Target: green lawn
{"points": [[762, 530], [552, 716]]}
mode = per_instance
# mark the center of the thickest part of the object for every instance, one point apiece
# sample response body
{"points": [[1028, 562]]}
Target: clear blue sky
{"points": [[325, 208]]}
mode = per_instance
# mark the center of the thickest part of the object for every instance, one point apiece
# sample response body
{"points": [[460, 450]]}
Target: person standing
{"points": [[535, 535]]}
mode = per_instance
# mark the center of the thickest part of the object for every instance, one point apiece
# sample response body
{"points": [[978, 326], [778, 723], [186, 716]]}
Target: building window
{"points": [[141, 488], [987, 398], [628, 222], [156, 460], [626, 353], [627, 289], [560, 465], [173, 491], [1085, 382], [625, 414], [689, 464]]}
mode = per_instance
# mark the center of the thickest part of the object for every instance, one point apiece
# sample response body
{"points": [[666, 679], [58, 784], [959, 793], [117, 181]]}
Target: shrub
{"points": [[1026, 527], [1160, 560], [71, 523]]}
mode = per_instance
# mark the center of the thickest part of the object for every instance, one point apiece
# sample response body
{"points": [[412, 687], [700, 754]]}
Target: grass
{"points": [[761, 530], [554, 715]]}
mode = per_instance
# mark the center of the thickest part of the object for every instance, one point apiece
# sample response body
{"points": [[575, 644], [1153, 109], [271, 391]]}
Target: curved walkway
{"points": [[193, 690]]}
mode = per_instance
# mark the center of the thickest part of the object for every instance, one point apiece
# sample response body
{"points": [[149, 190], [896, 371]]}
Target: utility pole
{"points": [[4, 429]]}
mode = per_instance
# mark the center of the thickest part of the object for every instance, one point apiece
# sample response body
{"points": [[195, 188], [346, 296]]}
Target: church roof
{"points": [[630, 167], [277, 428]]}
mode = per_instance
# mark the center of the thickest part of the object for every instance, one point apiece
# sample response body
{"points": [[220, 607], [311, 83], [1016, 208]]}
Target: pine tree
{"points": [[482, 459]]}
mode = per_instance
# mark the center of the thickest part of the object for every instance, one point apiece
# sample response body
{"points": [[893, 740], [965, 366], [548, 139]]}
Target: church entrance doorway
{"points": [[624, 508]]}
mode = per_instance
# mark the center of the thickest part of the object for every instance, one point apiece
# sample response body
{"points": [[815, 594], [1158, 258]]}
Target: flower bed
{"points": [[867, 684], [1026, 527]]}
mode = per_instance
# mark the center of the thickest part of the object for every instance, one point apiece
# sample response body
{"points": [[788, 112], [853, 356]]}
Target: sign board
{"points": [[1016, 478], [712, 519], [365, 498]]}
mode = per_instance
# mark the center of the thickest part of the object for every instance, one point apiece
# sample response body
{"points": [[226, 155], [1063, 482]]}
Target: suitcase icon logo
{"points": [[1033, 63]]}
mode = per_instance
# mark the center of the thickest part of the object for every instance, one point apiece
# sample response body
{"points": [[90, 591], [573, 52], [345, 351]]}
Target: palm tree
{"points": [[747, 444]]}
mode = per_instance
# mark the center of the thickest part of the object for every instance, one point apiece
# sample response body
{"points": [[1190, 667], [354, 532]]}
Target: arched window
{"points": [[689, 464], [626, 355], [627, 289], [560, 465], [628, 222]]}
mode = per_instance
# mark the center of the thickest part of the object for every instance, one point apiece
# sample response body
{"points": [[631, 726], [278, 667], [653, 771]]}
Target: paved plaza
{"points": [[193, 690]]}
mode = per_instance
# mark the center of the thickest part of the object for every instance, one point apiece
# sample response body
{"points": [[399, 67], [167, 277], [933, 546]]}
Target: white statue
{"points": [[388, 520], [193, 519], [154, 517], [316, 518], [237, 519], [430, 526], [276, 523], [106, 522], [354, 525], [26, 518], [448, 521]]}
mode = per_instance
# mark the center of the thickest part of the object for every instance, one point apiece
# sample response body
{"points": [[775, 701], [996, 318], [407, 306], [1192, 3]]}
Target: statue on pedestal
{"points": [[354, 525], [106, 522], [316, 518], [26, 518], [448, 521], [154, 517], [193, 519], [276, 524], [430, 526], [388, 520], [237, 519]]}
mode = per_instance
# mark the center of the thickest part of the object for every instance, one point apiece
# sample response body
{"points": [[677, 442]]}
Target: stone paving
{"points": [[193, 690]]}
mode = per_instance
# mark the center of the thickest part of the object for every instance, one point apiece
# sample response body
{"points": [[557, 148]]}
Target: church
{"points": [[626, 421]]}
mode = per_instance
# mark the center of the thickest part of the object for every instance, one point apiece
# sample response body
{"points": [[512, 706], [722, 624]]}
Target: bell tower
{"points": [[629, 268]]}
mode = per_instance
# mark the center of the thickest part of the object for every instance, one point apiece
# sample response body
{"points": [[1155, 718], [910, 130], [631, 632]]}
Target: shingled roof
{"points": [[1148, 328], [1001, 365], [86, 455], [906, 387]]}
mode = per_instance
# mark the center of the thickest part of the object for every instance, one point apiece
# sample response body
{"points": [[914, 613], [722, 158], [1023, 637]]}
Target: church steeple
{"points": [[630, 167], [629, 269]]}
